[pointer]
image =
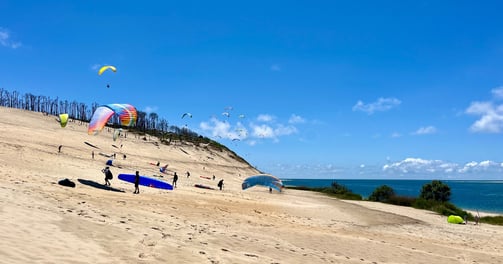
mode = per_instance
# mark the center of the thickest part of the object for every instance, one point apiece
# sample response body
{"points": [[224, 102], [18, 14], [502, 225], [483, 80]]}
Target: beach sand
{"points": [[44, 222]]}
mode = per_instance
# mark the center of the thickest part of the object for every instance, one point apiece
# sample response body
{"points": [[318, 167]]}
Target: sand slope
{"points": [[43, 222]]}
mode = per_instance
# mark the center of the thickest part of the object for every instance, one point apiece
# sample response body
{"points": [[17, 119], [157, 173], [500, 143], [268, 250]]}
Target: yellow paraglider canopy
{"points": [[63, 119], [104, 68]]}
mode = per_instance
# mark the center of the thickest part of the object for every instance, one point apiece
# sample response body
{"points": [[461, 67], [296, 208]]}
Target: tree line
{"points": [[78, 110], [146, 123]]}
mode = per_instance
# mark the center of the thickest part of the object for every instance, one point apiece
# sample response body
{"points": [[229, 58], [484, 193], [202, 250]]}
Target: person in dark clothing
{"points": [[221, 184], [137, 183], [188, 174], [108, 175], [175, 179], [59, 148]]}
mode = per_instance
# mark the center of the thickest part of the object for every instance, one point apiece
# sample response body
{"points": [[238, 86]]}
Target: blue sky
{"points": [[318, 89]]}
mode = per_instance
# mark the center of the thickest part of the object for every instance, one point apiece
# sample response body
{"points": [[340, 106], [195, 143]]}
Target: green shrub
{"points": [[401, 200], [443, 208], [493, 220], [382, 194], [337, 190], [436, 190]]}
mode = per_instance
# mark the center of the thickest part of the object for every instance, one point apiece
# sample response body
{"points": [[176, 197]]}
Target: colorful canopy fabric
{"points": [[126, 113]]}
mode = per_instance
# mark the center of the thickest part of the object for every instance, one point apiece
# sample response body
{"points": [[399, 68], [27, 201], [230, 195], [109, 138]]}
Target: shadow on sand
{"points": [[91, 145], [99, 185]]}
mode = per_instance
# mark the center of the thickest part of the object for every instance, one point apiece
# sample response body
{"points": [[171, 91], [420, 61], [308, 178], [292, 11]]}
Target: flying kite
{"points": [[264, 180], [126, 113]]}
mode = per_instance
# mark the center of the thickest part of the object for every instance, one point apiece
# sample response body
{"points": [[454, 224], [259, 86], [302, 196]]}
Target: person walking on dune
{"points": [[175, 179], [137, 183], [221, 184], [108, 175]]}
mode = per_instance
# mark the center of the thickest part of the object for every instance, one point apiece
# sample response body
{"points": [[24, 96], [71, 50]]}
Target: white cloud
{"points": [[425, 130], [282, 130], [265, 118], [483, 166], [252, 133], [263, 131], [497, 92], [5, 40], [220, 129], [382, 104], [412, 165], [442, 169], [490, 112], [491, 120], [295, 119]]}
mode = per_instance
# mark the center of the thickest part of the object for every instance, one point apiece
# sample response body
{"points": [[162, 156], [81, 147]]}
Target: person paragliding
{"points": [[104, 68]]}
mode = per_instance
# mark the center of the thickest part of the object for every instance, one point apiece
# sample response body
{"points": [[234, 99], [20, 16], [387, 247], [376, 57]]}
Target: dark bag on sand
{"points": [[67, 182]]}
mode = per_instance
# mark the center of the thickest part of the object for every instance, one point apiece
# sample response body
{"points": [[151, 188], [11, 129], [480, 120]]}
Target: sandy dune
{"points": [[43, 222]]}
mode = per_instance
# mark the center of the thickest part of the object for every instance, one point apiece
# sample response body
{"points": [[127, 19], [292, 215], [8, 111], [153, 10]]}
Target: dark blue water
{"points": [[486, 196]]}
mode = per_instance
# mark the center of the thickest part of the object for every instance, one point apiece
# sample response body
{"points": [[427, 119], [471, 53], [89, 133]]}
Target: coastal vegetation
{"points": [[335, 190], [434, 197]]}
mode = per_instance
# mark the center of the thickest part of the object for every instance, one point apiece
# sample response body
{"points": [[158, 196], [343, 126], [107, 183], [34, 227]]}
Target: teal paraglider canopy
{"points": [[264, 180]]}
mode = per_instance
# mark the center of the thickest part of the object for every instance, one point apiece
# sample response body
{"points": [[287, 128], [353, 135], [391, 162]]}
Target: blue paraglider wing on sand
{"points": [[146, 181]]}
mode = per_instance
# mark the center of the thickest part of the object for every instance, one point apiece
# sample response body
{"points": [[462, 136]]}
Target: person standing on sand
{"points": [[137, 183], [59, 148], [108, 175], [92, 154], [188, 174], [175, 179], [221, 184]]}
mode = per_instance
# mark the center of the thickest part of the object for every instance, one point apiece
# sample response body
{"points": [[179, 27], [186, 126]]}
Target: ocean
{"points": [[485, 196]]}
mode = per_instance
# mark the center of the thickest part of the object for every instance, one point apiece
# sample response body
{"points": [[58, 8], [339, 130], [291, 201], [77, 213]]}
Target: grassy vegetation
{"points": [[335, 190], [443, 208]]}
